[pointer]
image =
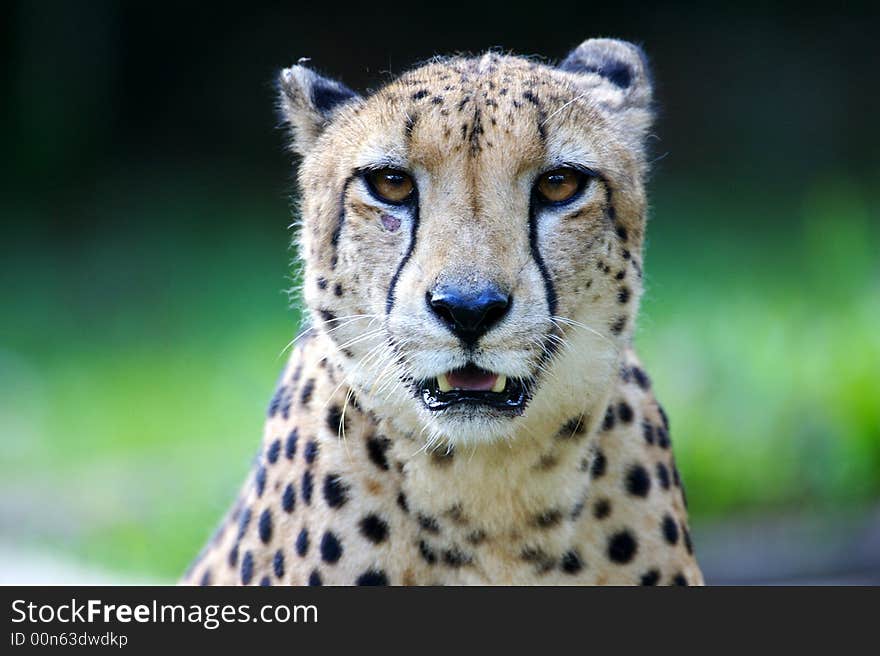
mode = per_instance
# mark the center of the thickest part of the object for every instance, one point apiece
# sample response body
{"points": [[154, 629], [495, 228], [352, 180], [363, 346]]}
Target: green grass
{"points": [[135, 365]]}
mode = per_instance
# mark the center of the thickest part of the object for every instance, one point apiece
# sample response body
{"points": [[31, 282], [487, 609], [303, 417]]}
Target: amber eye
{"points": [[559, 185], [390, 185]]}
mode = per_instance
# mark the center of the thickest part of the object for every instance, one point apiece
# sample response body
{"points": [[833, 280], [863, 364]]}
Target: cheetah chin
{"points": [[465, 405]]}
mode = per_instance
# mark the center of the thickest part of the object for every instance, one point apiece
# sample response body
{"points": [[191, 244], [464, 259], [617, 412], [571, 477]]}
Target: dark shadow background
{"points": [[145, 253]]}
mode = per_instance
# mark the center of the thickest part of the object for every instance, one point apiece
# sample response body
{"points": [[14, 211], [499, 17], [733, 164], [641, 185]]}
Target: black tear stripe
{"points": [[610, 210], [340, 220], [550, 349], [389, 300], [549, 289]]}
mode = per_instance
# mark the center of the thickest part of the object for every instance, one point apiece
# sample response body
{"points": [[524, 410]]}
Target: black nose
{"points": [[469, 313]]}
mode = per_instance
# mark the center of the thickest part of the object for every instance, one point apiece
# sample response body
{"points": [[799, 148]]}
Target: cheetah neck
{"points": [[535, 476]]}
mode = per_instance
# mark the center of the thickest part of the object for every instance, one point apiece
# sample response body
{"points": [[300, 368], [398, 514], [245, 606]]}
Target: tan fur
{"points": [[572, 491]]}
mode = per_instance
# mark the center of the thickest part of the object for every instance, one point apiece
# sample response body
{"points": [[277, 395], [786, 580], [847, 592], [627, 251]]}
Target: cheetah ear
{"points": [[617, 75], [307, 103]]}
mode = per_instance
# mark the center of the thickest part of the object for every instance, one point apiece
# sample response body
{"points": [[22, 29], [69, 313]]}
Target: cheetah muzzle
{"points": [[465, 405]]}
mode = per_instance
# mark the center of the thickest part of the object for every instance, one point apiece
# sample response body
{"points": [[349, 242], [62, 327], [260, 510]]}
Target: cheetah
{"points": [[465, 405]]}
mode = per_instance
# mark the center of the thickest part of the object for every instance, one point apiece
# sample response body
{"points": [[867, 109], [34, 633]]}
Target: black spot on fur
{"points": [[401, 501], [641, 378], [542, 560], [687, 540], [622, 547], [663, 475], [650, 577], [618, 325], [233, 556], [428, 524], [621, 232], [315, 578], [288, 498], [306, 393], [335, 421], [302, 542], [625, 412], [335, 491], [597, 469], [638, 481], [670, 530], [260, 480], [372, 577], [374, 528], [572, 562], [273, 451], [311, 451], [421, 93], [278, 563], [548, 519], [455, 558], [573, 428], [679, 579], [427, 554], [243, 520], [623, 295], [602, 509], [663, 416], [275, 401], [290, 444], [663, 437], [648, 432], [265, 526], [331, 548], [608, 421], [307, 485], [337, 289], [247, 568], [376, 448]]}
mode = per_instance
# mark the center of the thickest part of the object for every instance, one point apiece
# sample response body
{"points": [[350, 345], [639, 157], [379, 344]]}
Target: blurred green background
{"points": [[145, 253]]}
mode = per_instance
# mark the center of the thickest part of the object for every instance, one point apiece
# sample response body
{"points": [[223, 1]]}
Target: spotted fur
{"points": [[356, 481]]}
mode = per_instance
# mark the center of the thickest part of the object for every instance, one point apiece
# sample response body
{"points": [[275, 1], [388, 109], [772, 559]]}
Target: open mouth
{"points": [[473, 386]]}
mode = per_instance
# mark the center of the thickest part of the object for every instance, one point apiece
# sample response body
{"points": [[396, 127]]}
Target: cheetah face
{"points": [[472, 232]]}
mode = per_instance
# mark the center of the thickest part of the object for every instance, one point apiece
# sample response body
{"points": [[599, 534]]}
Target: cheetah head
{"points": [[472, 233]]}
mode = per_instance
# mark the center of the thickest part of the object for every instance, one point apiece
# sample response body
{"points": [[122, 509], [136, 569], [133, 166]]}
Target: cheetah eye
{"points": [[559, 185], [390, 185]]}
